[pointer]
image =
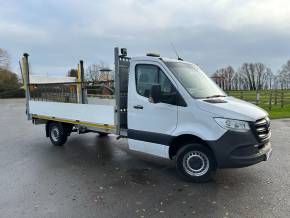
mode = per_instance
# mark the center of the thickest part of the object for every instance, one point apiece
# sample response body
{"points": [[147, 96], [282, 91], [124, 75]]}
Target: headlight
{"points": [[234, 125]]}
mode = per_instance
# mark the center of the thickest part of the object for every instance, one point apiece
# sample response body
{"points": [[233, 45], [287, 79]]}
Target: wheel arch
{"points": [[67, 127], [184, 139]]}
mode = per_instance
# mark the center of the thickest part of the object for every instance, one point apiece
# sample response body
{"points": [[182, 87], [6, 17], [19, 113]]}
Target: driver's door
{"points": [[150, 125]]}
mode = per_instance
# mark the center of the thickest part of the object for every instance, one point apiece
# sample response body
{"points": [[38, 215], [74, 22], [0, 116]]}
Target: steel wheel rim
{"points": [[55, 134], [195, 163]]}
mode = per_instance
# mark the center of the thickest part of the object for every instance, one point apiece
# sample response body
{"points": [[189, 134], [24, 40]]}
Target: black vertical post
{"points": [[83, 100], [275, 99], [117, 91], [270, 100], [282, 98]]}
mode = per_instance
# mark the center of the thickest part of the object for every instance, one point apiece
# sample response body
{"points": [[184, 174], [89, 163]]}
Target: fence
{"points": [[54, 92], [266, 98], [67, 92]]}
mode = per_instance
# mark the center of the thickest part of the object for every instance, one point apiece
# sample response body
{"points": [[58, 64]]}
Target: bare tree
{"points": [[284, 76], [256, 75], [252, 76], [247, 71], [239, 82], [224, 77], [94, 71], [286, 67], [4, 59]]}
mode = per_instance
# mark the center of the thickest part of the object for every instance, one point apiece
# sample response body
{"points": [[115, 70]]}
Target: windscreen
{"points": [[194, 80]]}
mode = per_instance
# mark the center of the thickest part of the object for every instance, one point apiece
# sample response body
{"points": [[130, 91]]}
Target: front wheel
{"points": [[57, 134], [195, 163]]}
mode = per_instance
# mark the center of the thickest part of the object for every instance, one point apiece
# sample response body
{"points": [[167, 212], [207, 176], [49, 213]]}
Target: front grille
{"points": [[263, 130]]}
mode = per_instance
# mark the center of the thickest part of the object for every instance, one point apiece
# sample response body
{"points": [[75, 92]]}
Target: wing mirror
{"points": [[155, 94]]}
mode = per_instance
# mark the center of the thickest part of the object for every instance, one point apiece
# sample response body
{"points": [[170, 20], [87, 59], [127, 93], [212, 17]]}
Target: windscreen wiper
{"points": [[216, 96]]}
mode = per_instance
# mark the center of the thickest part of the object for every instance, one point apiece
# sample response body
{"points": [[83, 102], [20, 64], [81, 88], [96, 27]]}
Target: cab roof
{"points": [[158, 59]]}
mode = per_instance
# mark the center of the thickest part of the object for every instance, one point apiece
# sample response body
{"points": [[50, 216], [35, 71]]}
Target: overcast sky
{"points": [[210, 33]]}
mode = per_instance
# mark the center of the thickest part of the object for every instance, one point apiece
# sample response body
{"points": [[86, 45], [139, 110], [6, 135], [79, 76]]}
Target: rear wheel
{"points": [[195, 163], [102, 134], [57, 134]]}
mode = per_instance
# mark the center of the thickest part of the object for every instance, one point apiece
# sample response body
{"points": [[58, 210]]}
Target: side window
{"points": [[148, 75]]}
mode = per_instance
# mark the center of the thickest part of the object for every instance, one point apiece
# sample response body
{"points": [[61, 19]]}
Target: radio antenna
{"points": [[175, 50]]}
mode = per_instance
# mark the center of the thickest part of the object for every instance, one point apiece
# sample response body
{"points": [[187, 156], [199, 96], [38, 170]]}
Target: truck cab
{"points": [[176, 111]]}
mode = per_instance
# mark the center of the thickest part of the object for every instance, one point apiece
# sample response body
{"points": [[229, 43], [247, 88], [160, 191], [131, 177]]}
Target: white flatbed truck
{"points": [[165, 107]]}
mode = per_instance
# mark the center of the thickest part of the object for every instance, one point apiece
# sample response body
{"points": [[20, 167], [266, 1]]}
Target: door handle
{"points": [[140, 107]]}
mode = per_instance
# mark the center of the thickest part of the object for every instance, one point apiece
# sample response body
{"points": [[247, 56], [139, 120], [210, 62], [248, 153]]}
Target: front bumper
{"points": [[239, 149]]}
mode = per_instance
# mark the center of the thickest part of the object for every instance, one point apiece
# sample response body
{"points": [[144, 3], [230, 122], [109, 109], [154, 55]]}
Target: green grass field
{"points": [[278, 100]]}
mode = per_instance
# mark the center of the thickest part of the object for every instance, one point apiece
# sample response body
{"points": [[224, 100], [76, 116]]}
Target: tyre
{"points": [[102, 134], [195, 163], [57, 134]]}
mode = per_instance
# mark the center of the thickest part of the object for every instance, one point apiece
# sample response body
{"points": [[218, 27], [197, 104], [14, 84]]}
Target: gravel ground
{"points": [[99, 177]]}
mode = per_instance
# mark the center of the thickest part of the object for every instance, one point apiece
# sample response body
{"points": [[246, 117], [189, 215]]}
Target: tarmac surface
{"points": [[95, 176]]}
